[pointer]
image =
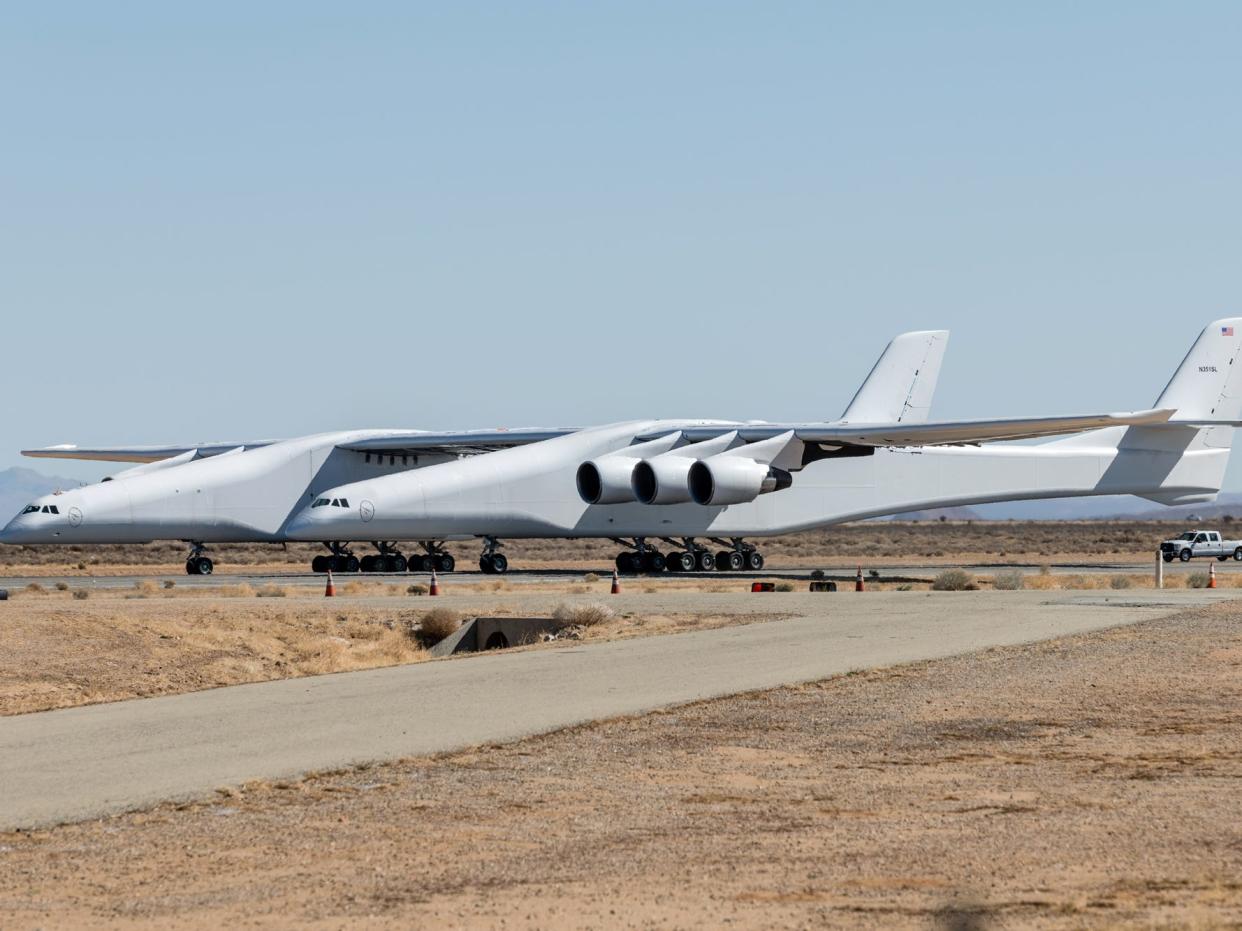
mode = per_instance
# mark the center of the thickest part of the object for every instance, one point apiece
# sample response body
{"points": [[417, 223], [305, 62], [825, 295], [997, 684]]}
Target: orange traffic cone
{"points": [[435, 584], [1211, 575], [616, 583], [858, 582], [330, 590]]}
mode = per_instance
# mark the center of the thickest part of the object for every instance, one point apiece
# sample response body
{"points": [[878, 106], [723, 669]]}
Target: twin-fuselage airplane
{"points": [[646, 482]]}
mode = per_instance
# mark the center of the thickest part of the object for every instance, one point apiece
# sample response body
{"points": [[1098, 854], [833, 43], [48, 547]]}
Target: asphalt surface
{"points": [[85, 762], [887, 572]]}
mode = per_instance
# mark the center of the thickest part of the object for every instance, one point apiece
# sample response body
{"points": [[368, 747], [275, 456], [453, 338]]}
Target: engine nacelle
{"points": [[666, 479], [723, 480], [608, 479]]}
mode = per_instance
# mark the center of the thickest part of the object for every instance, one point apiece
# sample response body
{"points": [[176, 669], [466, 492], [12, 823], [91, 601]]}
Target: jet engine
{"points": [[742, 474], [723, 480], [665, 479], [607, 479]]}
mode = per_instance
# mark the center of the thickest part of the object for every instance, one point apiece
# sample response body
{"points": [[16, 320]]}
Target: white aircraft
{"points": [[247, 492], [679, 481]]}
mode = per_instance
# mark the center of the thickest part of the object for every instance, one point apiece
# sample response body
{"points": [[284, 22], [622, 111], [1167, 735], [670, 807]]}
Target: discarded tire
{"points": [[4, 594], [823, 586]]}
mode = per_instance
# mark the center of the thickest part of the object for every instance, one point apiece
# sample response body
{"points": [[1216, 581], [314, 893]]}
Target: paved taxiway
{"points": [[84, 762]]}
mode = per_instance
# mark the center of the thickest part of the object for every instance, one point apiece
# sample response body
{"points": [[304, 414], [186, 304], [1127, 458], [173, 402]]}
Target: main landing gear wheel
{"points": [[729, 561], [681, 562], [653, 561], [705, 560], [627, 563], [493, 564], [754, 561], [199, 565]]}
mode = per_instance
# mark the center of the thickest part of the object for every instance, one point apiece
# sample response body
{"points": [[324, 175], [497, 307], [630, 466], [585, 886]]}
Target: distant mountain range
{"points": [[18, 487]]}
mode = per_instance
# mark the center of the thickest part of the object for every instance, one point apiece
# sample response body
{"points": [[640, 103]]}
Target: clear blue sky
{"points": [[230, 221]]}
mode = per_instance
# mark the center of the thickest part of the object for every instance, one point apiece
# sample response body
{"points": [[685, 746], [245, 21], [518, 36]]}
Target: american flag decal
{"points": [[1226, 331]]}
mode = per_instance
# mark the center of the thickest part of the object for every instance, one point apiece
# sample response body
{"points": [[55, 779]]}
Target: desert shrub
{"points": [[416, 589], [784, 586], [1197, 580], [169, 584], [1119, 581], [435, 625], [146, 587], [951, 580], [585, 615], [35, 588], [817, 573], [1008, 581], [81, 565], [905, 587], [590, 577], [62, 586], [271, 591], [81, 594]]}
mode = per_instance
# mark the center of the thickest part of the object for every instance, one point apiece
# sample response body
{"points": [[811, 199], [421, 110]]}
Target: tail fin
{"points": [[903, 381], [1184, 461], [1206, 386]]}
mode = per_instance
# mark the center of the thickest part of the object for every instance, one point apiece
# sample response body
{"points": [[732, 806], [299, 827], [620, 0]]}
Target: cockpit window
{"points": [[53, 508], [319, 502], [31, 509], [344, 502]]}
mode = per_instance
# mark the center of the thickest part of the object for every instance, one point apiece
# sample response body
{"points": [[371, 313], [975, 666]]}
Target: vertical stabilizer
{"points": [[902, 383], [1206, 385]]}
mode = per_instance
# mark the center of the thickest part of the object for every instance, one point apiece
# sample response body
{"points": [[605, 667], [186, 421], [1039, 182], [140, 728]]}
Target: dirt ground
{"points": [[868, 542], [1086, 782]]}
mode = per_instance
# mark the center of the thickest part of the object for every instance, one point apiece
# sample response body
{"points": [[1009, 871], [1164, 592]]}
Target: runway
{"points": [[890, 572], [90, 761]]}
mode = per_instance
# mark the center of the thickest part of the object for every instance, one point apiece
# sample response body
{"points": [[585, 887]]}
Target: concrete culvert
{"points": [[497, 641]]}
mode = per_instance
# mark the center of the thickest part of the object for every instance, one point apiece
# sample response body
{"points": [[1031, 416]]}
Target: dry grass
{"points": [[435, 625], [952, 580], [583, 615], [1009, 581]]}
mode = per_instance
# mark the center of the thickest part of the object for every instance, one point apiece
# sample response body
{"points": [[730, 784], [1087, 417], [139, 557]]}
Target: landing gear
{"points": [[688, 556], [493, 562], [435, 558], [196, 563], [388, 559], [341, 560]]}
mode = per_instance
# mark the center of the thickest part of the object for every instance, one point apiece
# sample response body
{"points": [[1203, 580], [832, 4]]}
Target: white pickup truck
{"points": [[1194, 543]]}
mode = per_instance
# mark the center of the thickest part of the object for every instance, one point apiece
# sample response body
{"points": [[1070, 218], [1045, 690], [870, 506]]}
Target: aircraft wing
{"points": [[462, 441], [137, 453], [945, 433]]}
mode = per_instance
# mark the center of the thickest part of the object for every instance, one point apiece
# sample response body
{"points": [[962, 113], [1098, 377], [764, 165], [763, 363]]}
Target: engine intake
{"points": [[608, 479], [723, 480]]}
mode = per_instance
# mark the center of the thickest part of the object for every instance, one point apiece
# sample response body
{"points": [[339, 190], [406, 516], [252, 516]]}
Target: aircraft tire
{"points": [[399, 563], [199, 565], [654, 562], [754, 561], [351, 564], [500, 563], [368, 564], [319, 564], [445, 562], [485, 565], [627, 564], [706, 561]]}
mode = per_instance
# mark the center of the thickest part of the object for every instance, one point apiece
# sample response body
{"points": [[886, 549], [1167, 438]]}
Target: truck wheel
{"points": [[1185, 555], [1221, 558], [1168, 557], [1237, 554]]}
